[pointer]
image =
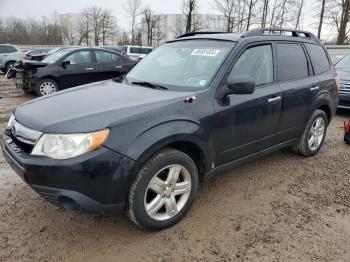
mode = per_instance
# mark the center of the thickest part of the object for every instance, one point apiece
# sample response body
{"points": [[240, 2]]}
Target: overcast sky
{"points": [[38, 8]]}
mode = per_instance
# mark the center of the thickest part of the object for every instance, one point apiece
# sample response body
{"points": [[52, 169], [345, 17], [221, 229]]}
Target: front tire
{"points": [[314, 135], [9, 65], [46, 87], [163, 190]]}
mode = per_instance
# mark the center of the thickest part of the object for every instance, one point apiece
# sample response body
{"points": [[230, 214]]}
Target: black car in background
{"points": [[69, 67], [343, 71]]}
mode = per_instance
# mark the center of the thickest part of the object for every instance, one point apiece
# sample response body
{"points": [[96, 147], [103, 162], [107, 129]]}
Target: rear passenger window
{"points": [[292, 62], [3, 49], [255, 62], [318, 57], [106, 57]]}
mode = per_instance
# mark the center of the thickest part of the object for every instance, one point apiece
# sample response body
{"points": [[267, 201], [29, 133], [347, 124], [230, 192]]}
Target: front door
{"points": [[80, 71], [246, 124]]}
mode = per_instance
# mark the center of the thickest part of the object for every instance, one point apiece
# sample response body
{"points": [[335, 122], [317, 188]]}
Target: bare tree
{"points": [[84, 29], [300, 9], [133, 8], [251, 5], [344, 19], [151, 22], [107, 25], [190, 8], [320, 23], [264, 13], [227, 9], [67, 30]]}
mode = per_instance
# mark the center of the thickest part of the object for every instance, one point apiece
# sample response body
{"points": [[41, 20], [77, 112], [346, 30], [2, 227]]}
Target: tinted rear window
{"points": [[318, 57], [292, 62]]}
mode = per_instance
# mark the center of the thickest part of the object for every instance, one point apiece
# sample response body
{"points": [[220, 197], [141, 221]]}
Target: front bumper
{"points": [[96, 182]]}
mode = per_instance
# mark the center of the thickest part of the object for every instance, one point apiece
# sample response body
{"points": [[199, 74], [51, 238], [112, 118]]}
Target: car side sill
{"points": [[249, 158]]}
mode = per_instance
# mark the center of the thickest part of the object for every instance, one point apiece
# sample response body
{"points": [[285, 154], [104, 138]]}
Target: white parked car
{"points": [[137, 51]]}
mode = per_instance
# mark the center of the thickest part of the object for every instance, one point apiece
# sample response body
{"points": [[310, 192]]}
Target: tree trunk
{"points": [[321, 19], [343, 22], [299, 14]]}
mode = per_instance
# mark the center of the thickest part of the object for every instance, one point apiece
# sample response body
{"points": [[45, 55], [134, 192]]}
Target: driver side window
{"points": [[256, 62]]}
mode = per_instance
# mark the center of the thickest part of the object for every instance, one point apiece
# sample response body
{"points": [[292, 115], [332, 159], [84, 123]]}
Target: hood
{"points": [[343, 74], [93, 107]]}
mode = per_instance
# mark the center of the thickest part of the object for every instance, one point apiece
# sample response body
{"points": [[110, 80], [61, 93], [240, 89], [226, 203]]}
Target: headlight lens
{"points": [[65, 146], [9, 124]]}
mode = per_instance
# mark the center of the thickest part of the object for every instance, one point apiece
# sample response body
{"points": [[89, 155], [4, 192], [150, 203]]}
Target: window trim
{"points": [[246, 47], [308, 62]]}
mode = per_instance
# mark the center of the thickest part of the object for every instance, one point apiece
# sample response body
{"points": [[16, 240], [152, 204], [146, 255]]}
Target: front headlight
{"points": [[65, 146], [9, 124]]}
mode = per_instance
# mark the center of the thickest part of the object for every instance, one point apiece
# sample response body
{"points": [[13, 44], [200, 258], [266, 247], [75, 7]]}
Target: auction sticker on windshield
{"points": [[206, 52]]}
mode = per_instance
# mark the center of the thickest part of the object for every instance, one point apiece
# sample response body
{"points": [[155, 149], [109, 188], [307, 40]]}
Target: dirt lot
{"points": [[282, 207]]}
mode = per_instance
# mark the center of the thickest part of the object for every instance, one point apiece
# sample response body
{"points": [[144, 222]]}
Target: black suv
{"points": [[193, 107]]}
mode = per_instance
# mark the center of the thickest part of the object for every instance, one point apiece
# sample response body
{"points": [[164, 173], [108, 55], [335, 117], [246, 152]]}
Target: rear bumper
{"points": [[344, 101], [96, 182]]}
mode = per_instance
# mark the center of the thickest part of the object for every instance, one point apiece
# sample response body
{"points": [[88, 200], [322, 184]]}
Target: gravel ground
{"points": [[281, 207]]}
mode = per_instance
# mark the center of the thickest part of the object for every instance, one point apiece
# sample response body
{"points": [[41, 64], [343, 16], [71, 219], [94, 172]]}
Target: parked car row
{"points": [[47, 71], [69, 67]]}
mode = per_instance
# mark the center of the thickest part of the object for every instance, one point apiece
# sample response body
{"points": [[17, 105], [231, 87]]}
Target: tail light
{"points": [[346, 126]]}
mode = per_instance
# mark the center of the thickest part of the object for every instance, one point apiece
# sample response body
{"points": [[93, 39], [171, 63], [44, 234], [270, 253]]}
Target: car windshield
{"points": [[182, 66], [52, 58], [344, 63]]}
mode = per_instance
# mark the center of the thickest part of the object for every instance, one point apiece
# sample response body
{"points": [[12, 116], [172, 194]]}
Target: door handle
{"points": [[118, 67], [314, 88], [89, 68], [274, 99]]}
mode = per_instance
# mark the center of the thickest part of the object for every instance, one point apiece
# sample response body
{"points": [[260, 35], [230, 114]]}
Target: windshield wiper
{"points": [[150, 85]]}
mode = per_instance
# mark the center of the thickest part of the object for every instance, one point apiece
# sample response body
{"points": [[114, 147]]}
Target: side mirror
{"points": [[240, 85], [65, 63]]}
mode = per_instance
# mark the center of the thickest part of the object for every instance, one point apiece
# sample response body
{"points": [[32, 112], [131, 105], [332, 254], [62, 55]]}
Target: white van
{"points": [[137, 51]]}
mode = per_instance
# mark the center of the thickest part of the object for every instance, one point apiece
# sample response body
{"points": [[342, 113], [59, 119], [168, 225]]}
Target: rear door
{"points": [[297, 82], [246, 124], [80, 71], [108, 65]]}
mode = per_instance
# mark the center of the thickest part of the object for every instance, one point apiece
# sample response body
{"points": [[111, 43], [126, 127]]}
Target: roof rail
{"points": [[279, 31], [200, 33]]}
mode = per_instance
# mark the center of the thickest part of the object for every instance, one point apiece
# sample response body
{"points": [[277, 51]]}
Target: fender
{"points": [[159, 136]]}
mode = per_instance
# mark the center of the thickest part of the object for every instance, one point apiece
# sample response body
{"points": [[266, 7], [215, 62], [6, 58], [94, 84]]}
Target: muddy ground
{"points": [[280, 208]]}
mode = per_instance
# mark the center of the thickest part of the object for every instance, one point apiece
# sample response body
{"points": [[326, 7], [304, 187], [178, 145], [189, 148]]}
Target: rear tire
{"points": [[46, 87], [313, 136], [163, 190]]}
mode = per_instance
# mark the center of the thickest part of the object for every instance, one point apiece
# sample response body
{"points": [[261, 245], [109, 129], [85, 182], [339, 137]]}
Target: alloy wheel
{"points": [[167, 192], [316, 133]]}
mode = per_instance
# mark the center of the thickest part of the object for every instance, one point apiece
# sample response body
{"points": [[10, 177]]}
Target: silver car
{"points": [[9, 54]]}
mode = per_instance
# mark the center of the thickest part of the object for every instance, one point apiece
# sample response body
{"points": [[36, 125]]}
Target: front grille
{"points": [[344, 87], [23, 146], [344, 103]]}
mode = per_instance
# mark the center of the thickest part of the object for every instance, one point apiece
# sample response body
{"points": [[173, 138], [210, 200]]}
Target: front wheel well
{"points": [[193, 151]]}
